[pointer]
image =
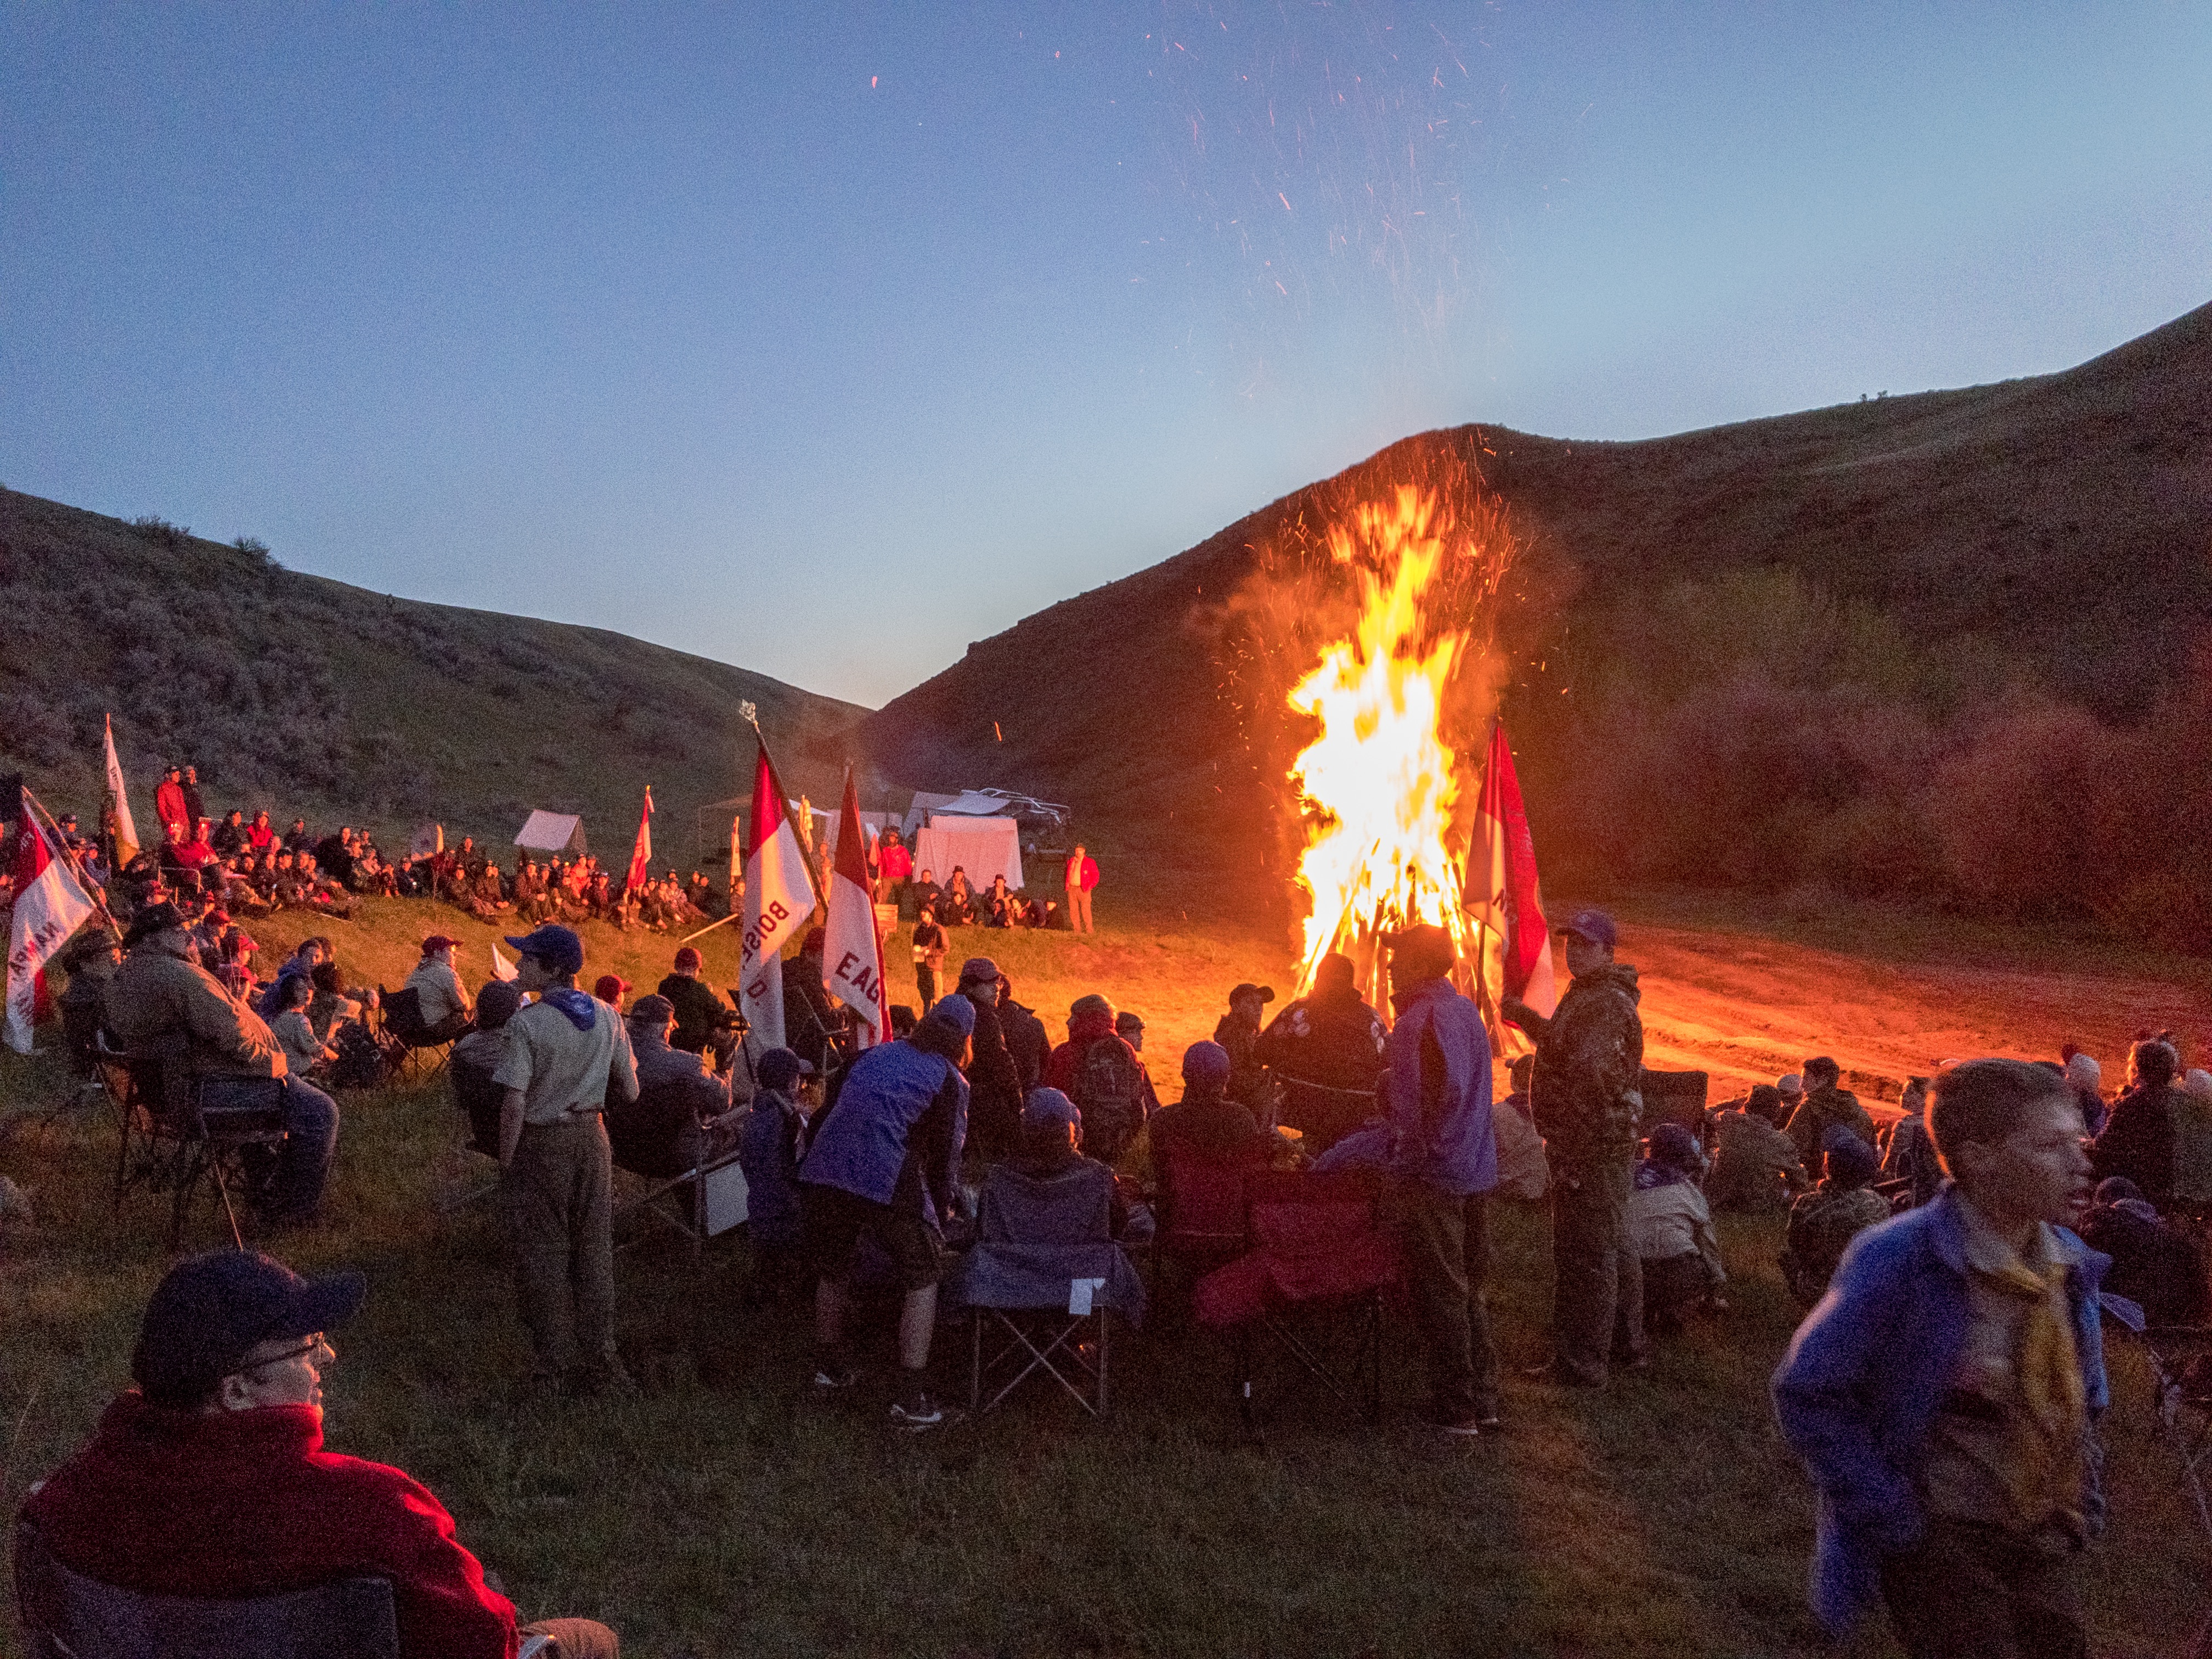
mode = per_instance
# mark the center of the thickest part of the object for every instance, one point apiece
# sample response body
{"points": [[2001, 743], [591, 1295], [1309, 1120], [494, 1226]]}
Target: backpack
{"points": [[1108, 1090], [362, 1061]]}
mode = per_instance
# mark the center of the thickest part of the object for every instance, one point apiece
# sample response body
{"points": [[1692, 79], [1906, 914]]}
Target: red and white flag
{"points": [[640, 852], [779, 899], [49, 906], [854, 950], [1504, 895]]}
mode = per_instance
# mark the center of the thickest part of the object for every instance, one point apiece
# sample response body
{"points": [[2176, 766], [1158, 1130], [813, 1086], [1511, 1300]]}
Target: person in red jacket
{"points": [[209, 1479], [1081, 877], [169, 805]]}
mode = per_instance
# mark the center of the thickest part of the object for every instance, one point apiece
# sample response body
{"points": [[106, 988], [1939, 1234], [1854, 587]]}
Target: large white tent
{"points": [[552, 832], [983, 847]]}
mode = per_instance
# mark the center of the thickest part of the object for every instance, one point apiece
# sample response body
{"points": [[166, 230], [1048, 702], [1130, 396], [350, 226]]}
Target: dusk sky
{"points": [[825, 340]]}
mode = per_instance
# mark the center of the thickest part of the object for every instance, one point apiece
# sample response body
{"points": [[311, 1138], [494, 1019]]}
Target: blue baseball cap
{"points": [[1206, 1062], [209, 1311], [956, 1012], [1595, 926], [1045, 1108], [556, 947]]}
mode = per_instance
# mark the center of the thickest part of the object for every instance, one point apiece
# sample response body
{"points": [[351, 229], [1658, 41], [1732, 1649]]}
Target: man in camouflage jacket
{"points": [[1585, 1097]]}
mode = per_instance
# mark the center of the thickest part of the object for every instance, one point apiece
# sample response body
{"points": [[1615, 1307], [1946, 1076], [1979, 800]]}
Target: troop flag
{"points": [[779, 899], [115, 811], [49, 906], [640, 852], [1504, 897], [854, 950]]}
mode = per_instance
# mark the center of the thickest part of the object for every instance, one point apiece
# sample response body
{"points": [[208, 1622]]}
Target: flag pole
{"points": [[813, 880]]}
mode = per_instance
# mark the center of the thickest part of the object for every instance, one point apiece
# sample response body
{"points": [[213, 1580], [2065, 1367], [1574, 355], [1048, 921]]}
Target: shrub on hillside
{"points": [[161, 531]]}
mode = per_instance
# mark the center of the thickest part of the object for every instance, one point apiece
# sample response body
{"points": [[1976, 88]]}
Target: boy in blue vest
{"points": [[1941, 1391]]}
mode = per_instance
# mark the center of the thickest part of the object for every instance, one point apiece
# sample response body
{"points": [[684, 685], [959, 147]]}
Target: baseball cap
{"points": [[956, 1012], [1206, 1062], [1790, 1083], [979, 970], [608, 987], [1126, 1021], [154, 919], [1595, 926], [556, 947], [647, 1010], [209, 1311], [780, 1068], [1043, 1109], [1265, 993], [1423, 946], [441, 941]]}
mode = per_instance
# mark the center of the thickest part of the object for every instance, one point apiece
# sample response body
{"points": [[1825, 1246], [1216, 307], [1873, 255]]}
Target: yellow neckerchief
{"points": [[2049, 1367]]}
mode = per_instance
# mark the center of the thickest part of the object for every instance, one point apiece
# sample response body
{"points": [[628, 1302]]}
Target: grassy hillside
{"points": [[1860, 647], [312, 696]]}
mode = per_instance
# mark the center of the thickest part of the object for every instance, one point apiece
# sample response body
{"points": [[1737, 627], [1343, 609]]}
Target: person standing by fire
{"points": [[1585, 1099], [1081, 879]]}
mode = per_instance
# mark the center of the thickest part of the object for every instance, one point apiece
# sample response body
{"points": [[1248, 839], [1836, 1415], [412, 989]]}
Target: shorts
{"points": [[835, 1222]]}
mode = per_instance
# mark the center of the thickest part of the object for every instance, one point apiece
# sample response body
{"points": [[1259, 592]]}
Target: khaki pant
{"points": [[1078, 910], [1597, 1281], [1447, 1244], [558, 1201]]}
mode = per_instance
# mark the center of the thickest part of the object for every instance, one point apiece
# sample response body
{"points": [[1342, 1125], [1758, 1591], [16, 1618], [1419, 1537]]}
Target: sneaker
{"points": [[1464, 1428], [830, 1377], [919, 1410]]}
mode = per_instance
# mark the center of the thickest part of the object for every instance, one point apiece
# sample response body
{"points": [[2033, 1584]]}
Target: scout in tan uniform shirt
{"points": [[564, 1054]]}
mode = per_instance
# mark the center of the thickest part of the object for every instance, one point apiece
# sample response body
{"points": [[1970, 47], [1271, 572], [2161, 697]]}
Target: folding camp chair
{"points": [[1319, 1253], [66, 1615], [698, 1194], [176, 1130], [403, 1019], [1201, 1208], [1674, 1097], [1042, 1282], [2181, 1397]]}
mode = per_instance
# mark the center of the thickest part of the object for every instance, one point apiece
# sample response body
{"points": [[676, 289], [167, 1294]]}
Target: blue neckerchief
{"points": [[580, 1006]]}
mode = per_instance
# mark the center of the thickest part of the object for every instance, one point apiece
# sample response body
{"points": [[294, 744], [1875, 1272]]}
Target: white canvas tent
{"points": [[984, 847], [552, 832]]}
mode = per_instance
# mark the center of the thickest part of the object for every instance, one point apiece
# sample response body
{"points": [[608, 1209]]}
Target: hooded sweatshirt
{"points": [[1585, 1093]]}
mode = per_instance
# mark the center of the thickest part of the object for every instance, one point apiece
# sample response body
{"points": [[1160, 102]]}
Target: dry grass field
{"points": [[728, 1512]]}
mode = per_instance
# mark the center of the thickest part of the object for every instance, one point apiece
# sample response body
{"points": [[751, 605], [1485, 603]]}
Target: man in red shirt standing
{"points": [[209, 1479], [169, 806], [1082, 877]]}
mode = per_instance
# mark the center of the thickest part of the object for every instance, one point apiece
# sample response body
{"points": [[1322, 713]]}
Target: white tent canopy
{"points": [[552, 832], [984, 847]]}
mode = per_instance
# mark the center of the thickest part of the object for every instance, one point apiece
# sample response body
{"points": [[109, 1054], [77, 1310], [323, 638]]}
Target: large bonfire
{"points": [[1381, 786]]}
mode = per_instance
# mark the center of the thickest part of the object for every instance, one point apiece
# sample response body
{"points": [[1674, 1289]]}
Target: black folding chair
{"points": [[403, 1019], [691, 1190], [176, 1130], [66, 1615]]}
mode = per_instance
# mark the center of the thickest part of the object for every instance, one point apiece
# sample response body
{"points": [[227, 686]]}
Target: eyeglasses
{"points": [[307, 1347]]}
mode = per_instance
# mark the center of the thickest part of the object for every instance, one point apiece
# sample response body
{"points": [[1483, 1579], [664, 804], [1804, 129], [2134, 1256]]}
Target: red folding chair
{"points": [[1201, 1221], [1321, 1252]]}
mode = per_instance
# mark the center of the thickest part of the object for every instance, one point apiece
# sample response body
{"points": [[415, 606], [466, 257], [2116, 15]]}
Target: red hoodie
{"points": [[222, 1504], [1083, 1029]]}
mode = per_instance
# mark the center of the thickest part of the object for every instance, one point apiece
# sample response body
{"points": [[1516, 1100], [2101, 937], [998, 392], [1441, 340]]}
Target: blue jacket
{"points": [[1857, 1394], [764, 1153], [884, 1110], [1438, 1092]]}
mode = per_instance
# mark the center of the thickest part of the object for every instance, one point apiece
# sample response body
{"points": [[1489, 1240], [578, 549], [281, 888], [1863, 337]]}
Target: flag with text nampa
{"points": [[779, 898], [640, 852], [1503, 894], [854, 954], [115, 811], [49, 906]]}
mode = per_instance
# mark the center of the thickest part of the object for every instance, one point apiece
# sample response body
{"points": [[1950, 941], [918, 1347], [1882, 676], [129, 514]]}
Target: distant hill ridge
{"points": [[318, 698], [2055, 532]]}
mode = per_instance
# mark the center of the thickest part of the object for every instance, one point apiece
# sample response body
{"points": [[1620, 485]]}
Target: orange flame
{"points": [[1379, 787]]}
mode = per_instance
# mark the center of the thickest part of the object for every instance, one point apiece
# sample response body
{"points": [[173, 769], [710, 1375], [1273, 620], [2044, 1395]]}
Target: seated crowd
{"points": [[877, 1169]]}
